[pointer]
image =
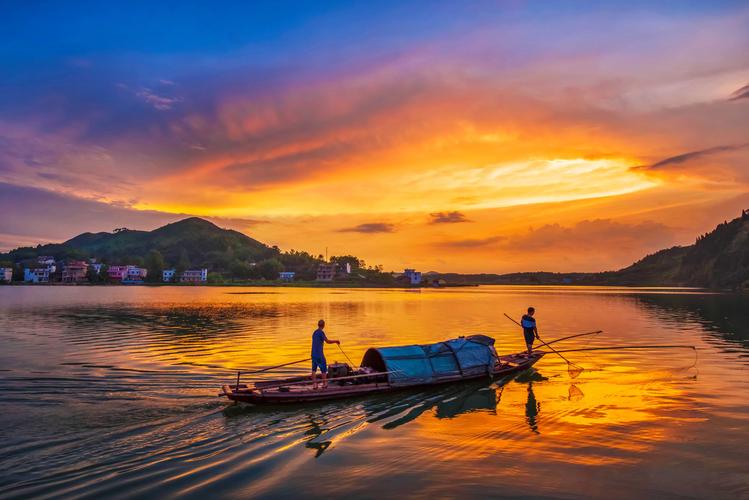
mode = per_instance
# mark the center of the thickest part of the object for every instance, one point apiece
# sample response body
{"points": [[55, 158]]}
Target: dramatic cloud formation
{"points": [[55, 217], [338, 116], [741, 93], [694, 155], [588, 234], [448, 217]]}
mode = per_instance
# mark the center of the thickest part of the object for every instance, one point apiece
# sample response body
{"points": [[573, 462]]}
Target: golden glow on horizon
{"points": [[460, 187]]}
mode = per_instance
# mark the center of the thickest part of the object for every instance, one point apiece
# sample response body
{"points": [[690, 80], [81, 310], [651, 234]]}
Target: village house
{"points": [[36, 275], [127, 274], [344, 270], [167, 275], [42, 272], [117, 273], [333, 270], [48, 262], [194, 276], [413, 276], [135, 274], [286, 275], [326, 272], [74, 271], [6, 274], [95, 265]]}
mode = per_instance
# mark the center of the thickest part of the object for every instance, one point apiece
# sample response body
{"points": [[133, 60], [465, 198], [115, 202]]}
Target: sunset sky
{"points": [[462, 136]]}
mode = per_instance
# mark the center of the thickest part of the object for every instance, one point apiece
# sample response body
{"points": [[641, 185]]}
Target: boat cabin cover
{"points": [[429, 363]]}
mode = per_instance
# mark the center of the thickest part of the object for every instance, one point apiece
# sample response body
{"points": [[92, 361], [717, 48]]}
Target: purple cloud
{"points": [[742, 93], [159, 102]]}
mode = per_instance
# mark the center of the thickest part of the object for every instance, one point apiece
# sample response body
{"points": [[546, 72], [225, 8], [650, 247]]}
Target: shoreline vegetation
{"points": [[718, 260]]}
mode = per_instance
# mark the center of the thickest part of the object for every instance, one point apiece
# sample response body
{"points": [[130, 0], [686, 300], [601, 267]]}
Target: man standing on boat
{"points": [[530, 332], [318, 356]]}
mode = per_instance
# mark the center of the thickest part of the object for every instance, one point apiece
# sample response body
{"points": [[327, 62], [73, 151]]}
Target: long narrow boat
{"points": [[388, 369]]}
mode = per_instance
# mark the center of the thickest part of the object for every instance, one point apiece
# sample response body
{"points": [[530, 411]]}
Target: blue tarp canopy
{"points": [[424, 364]]}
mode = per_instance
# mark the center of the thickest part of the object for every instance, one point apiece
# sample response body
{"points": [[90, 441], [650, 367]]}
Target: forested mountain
{"points": [[191, 243], [200, 241], [719, 259]]}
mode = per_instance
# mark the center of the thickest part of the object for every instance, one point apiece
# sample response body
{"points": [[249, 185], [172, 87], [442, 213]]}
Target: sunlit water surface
{"points": [[112, 392]]}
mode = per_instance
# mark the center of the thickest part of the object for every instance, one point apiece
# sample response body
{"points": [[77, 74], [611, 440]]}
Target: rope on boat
{"points": [[344, 353]]}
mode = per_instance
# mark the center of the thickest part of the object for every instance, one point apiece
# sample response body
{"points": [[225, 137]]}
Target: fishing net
{"points": [[574, 370], [574, 393]]}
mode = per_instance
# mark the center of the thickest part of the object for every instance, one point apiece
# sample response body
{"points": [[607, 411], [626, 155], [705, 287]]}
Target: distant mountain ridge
{"points": [[718, 259], [200, 239], [192, 242]]}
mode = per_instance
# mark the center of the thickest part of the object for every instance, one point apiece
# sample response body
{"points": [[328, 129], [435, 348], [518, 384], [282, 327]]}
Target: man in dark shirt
{"points": [[530, 332], [318, 356]]}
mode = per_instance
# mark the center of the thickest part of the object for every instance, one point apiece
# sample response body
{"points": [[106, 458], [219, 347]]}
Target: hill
{"points": [[719, 259], [194, 241], [191, 243], [200, 241]]}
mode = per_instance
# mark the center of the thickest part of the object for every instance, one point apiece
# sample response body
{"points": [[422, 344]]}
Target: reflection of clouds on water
{"points": [[129, 395]]}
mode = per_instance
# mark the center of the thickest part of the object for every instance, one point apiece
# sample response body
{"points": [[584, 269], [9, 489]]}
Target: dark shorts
{"points": [[529, 337], [319, 361]]}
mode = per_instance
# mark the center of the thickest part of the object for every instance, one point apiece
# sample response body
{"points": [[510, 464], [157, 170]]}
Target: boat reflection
{"points": [[317, 429], [483, 398], [396, 410]]}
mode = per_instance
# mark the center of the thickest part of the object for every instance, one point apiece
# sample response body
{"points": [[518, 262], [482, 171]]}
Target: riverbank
{"points": [[273, 284]]}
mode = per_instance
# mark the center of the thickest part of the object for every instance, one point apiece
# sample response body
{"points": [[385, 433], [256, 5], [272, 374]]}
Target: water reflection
{"points": [[473, 399], [448, 402], [725, 316], [532, 409], [112, 388], [316, 430]]}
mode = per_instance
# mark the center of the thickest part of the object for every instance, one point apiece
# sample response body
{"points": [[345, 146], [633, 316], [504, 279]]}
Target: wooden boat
{"points": [[390, 369]]}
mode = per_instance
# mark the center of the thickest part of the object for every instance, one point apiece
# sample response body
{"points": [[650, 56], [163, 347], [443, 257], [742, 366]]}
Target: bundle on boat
{"points": [[385, 369]]}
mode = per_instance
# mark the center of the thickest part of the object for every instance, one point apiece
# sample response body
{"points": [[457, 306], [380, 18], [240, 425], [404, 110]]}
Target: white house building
{"points": [[414, 276], [287, 275], [167, 275], [194, 276], [36, 275]]}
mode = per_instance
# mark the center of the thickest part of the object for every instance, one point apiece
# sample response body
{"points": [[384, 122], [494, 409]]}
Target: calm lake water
{"points": [[111, 392]]}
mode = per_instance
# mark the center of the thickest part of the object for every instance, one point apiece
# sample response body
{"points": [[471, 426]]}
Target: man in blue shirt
{"points": [[318, 356], [530, 332]]}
